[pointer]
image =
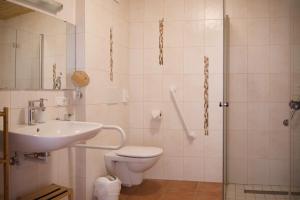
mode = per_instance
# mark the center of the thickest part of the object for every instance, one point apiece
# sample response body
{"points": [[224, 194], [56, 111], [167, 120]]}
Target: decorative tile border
{"points": [[206, 77], [111, 62], [161, 42]]}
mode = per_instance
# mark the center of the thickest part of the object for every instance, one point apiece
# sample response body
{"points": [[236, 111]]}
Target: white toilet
{"points": [[130, 162]]}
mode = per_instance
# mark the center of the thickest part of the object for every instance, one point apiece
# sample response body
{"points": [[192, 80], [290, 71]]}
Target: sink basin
{"points": [[52, 135]]}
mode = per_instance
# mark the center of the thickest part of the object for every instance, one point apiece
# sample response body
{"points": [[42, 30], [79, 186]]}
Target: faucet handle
{"points": [[68, 116], [42, 102]]}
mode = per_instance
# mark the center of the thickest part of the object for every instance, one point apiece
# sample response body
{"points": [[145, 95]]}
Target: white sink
{"points": [[52, 135]]}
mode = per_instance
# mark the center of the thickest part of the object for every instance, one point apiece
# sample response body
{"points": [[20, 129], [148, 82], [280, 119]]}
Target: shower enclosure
{"points": [[262, 86]]}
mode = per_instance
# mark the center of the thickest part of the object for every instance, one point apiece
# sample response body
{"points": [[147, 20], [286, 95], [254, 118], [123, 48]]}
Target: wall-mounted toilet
{"points": [[130, 162]]}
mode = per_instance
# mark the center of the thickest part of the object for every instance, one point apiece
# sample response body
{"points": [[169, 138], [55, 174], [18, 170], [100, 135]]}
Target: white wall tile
{"points": [[279, 8], [279, 87], [173, 143], [279, 139], [236, 8], [258, 142], [153, 137], [151, 62], [174, 33], [237, 144], [257, 115], [280, 61], [213, 144], [136, 115], [213, 169], [154, 10], [151, 34], [258, 59], [173, 61], [194, 148], [237, 116], [193, 60], [136, 88], [238, 87], [136, 36], [213, 9], [136, 10], [173, 168], [194, 9], [258, 31], [193, 169], [153, 88], [193, 87], [279, 172], [174, 10], [136, 61], [258, 8], [238, 60], [213, 32], [258, 171], [280, 31], [237, 170], [258, 87], [194, 33]]}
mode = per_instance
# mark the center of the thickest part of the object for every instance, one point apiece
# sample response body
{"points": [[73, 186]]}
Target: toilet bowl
{"points": [[130, 162]]}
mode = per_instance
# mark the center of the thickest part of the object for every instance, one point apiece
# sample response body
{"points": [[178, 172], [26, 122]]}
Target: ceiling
{"points": [[9, 10]]}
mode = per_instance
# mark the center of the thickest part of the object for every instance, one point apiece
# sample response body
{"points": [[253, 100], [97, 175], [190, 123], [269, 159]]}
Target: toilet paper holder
{"points": [[156, 114]]}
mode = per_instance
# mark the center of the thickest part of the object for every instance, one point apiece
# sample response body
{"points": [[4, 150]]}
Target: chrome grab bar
{"points": [[108, 147]]}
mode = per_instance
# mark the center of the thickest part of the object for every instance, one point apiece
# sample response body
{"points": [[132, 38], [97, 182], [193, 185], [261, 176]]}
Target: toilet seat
{"points": [[130, 162], [139, 152]]}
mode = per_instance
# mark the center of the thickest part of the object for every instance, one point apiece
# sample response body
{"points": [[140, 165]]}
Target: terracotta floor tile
{"points": [[209, 187], [204, 196], [123, 197], [178, 195], [172, 190], [185, 186]]}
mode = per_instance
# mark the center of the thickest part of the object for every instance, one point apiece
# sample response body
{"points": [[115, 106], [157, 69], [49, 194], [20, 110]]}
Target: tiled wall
{"points": [[29, 176], [192, 29], [100, 16], [260, 50]]}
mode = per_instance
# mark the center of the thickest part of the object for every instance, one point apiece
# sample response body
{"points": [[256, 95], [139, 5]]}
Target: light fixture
{"points": [[50, 6]]}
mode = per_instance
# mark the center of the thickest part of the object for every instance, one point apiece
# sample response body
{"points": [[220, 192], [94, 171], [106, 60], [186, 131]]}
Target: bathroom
{"points": [[211, 87]]}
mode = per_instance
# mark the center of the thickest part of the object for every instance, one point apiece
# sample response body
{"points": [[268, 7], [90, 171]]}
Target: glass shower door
{"points": [[295, 122]]}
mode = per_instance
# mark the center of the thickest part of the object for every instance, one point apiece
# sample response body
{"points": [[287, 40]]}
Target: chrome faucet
{"points": [[32, 109], [294, 106]]}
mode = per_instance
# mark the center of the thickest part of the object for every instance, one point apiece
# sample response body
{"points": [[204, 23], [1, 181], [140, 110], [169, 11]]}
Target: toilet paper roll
{"points": [[156, 114]]}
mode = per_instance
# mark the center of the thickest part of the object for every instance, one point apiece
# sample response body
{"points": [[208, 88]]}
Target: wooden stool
{"points": [[53, 192]]}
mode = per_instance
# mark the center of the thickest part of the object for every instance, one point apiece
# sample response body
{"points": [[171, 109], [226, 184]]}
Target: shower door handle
{"points": [[224, 104]]}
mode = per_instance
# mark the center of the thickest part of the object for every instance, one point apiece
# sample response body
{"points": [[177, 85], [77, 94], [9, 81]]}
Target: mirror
{"points": [[37, 51]]}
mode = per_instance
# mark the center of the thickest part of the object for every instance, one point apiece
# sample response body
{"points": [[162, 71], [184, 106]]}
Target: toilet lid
{"points": [[139, 151]]}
